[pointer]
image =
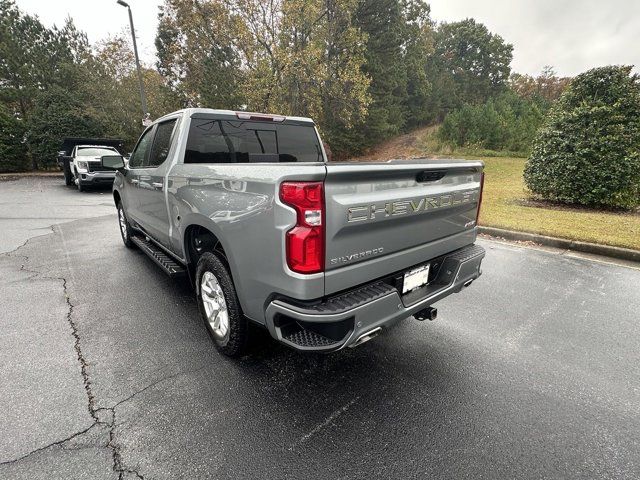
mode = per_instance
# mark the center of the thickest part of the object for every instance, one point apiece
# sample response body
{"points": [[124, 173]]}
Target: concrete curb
{"points": [[10, 176], [605, 250]]}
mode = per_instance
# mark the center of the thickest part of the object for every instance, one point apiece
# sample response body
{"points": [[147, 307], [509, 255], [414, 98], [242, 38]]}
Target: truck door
{"points": [[151, 192], [132, 176]]}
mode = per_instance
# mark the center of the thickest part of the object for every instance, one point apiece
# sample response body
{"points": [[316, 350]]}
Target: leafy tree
{"points": [[399, 40], [344, 88], [33, 59], [110, 91], [296, 57], [24, 56], [418, 33], [12, 147], [544, 89], [197, 53], [470, 65], [57, 115], [382, 21], [588, 150]]}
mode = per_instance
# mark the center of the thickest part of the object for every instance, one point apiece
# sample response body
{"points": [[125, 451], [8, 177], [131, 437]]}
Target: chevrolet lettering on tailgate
{"points": [[405, 207]]}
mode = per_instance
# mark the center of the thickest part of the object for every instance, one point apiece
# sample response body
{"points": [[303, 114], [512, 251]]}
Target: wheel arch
{"points": [[197, 240], [216, 241]]}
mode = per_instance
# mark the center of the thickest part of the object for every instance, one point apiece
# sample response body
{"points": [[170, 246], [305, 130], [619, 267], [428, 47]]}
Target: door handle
{"points": [[157, 184]]}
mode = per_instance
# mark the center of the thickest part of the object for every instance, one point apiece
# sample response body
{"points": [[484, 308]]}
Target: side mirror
{"points": [[112, 162], [62, 158]]}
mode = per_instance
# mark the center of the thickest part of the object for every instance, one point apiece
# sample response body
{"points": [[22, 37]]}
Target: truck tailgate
{"points": [[384, 217]]}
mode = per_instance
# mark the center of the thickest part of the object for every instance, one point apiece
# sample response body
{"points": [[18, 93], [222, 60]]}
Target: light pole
{"points": [[143, 99]]}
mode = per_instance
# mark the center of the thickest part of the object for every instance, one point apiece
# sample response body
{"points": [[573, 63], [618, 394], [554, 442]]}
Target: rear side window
{"points": [[240, 141], [161, 144]]}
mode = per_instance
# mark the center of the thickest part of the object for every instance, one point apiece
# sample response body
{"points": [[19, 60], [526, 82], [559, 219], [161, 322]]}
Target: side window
{"points": [[139, 154], [161, 144]]}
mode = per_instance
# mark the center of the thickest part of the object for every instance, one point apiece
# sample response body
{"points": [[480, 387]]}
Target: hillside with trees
{"points": [[365, 70]]}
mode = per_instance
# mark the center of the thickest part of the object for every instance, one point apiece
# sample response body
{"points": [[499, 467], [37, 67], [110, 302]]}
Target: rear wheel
{"points": [[125, 229], [219, 306]]}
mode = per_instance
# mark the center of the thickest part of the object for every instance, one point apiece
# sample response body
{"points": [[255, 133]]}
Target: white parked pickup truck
{"points": [[81, 161]]}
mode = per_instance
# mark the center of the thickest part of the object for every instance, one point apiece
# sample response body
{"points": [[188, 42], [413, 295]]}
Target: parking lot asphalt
{"points": [[107, 370]]}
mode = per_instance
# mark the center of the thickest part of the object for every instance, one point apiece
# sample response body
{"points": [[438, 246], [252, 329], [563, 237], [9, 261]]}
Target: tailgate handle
{"points": [[430, 175]]}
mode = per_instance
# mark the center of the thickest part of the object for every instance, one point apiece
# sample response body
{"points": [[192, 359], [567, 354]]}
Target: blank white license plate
{"points": [[415, 278]]}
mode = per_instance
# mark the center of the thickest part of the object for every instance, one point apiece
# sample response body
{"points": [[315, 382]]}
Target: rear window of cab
{"points": [[246, 141], [95, 152]]}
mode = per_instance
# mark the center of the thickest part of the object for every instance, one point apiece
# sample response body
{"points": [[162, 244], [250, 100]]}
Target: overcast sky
{"points": [[570, 35]]}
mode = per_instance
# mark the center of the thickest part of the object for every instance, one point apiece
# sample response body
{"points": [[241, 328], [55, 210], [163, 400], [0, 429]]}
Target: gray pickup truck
{"points": [[325, 255]]}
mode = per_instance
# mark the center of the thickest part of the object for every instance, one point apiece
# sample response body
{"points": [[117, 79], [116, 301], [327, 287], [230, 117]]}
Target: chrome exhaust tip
{"points": [[365, 337]]}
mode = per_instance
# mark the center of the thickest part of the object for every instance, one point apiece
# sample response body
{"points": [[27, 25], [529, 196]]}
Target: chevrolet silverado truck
{"points": [[325, 255], [81, 161]]}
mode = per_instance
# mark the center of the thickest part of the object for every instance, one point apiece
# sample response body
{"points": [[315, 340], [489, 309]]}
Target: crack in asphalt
{"points": [[52, 444], [153, 384], [119, 466], [70, 321], [11, 252], [81, 359]]}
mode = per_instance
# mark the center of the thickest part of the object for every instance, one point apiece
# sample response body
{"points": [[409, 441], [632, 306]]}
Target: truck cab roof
{"points": [[191, 112], [96, 146], [69, 143]]}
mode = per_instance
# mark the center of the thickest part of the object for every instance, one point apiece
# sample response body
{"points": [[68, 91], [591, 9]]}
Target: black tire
{"points": [[234, 342], [68, 176], [125, 227], [81, 188]]}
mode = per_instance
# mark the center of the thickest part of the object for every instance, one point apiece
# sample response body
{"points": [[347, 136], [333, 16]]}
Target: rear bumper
{"points": [[339, 321]]}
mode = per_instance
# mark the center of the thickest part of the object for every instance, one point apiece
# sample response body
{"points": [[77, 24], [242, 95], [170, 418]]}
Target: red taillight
{"points": [[480, 197], [305, 241]]}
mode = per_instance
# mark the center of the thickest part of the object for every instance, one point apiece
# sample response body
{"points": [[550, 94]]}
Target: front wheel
{"points": [[219, 306], [81, 188], [125, 229]]}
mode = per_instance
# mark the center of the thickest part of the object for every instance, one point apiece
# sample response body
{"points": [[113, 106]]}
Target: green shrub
{"points": [[588, 150], [57, 115], [13, 152], [507, 122]]}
